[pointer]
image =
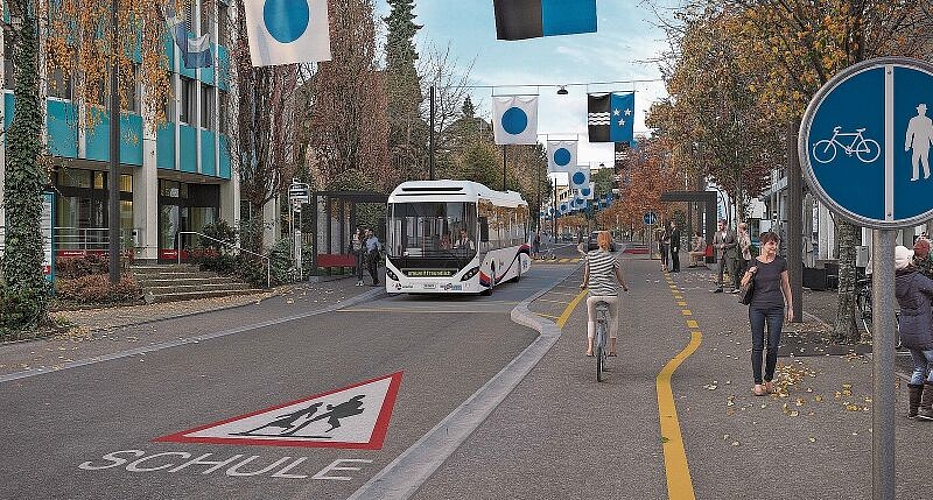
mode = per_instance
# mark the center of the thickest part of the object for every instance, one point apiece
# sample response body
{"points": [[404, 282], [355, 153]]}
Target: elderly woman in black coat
{"points": [[914, 293]]}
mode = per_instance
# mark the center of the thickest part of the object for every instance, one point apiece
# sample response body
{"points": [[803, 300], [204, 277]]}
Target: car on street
{"points": [[591, 243]]}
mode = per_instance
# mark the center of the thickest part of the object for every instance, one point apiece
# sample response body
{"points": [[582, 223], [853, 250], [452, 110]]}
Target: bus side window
{"points": [[483, 229]]}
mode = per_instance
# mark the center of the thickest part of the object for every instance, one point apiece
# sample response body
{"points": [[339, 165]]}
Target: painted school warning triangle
{"points": [[355, 417]]}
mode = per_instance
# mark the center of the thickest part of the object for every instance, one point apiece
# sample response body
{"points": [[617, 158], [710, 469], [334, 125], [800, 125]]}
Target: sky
{"points": [[624, 48]]}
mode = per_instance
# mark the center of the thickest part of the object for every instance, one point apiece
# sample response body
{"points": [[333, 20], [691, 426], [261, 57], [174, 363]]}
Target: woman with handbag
{"points": [[771, 300]]}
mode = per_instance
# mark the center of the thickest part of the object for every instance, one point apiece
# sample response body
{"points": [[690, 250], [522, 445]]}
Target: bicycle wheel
{"points": [[868, 151], [600, 350], [863, 303], [824, 151]]}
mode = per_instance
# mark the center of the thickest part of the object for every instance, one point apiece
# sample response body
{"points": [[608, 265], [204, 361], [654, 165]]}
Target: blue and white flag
{"points": [[579, 177], [561, 155], [588, 192], [287, 31], [515, 119], [195, 52], [622, 121]]}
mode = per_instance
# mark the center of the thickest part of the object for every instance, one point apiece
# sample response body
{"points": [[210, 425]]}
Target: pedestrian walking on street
{"points": [[357, 244], [744, 242], [373, 251], [601, 271], [922, 258], [724, 243], [914, 293], [771, 302], [664, 242], [675, 247]]}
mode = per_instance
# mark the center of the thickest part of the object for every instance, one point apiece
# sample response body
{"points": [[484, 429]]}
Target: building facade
{"points": [[175, 177]]}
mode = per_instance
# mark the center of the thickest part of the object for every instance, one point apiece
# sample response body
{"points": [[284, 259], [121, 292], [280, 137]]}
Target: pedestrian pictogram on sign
{"points": [[354, 417]]}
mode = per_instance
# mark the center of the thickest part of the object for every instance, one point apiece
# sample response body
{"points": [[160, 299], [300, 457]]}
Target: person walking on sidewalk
{"points": [[724, 243], [914, 293], [601, 271], [357, 244], [373, 249], [675, 247], [664, 241], [744, 242], [771, 301]]}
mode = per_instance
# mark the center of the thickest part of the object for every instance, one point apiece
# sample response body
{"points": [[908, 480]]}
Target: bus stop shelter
{"points": [[333, 219]]}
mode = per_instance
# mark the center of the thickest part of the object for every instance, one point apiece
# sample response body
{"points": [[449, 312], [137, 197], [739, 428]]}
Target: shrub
{"points": [[80, 266], [96, 289], [19, 311]]}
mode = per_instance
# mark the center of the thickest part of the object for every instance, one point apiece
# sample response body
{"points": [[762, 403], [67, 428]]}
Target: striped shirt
{"points": [[602, 276]]}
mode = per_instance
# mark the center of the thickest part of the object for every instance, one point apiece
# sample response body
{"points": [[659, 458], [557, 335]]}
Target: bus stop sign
{"points": [[650, 218], [865, 140]]}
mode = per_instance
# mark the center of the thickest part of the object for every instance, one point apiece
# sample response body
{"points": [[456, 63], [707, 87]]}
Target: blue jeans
{"points": [[756, 318], [923, 362]]}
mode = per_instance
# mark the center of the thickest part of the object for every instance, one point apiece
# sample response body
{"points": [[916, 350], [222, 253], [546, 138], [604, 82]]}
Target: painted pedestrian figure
{"points": [[346, 409], [919, 138], [285, 422]]}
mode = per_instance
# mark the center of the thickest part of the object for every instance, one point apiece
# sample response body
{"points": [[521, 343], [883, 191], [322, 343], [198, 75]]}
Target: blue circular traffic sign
{"points": [[865, 143], [650, 218]]}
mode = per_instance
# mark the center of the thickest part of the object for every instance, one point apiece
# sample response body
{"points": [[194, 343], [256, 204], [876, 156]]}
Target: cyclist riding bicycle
{"points": [[600, 269]]}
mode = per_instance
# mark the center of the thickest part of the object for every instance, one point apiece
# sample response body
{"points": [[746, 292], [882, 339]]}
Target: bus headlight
{"points": [[469, 274], [391, 275]]}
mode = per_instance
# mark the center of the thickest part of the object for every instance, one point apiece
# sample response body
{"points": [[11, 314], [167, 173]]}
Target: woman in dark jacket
{"points": [[914, 293]]}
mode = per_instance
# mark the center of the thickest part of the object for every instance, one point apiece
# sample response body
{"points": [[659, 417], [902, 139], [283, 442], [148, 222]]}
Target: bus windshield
{"points": [[431, 230]]}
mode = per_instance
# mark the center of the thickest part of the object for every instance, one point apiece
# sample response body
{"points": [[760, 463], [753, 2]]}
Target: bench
{"points": [[332, 260]]}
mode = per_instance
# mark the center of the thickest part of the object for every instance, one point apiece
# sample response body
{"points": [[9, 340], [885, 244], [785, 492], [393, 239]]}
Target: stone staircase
{"points": [[171, 282]]}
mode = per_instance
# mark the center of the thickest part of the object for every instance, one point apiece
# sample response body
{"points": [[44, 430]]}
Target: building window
{"points": [[207, 106], [59, 86], [72, 177], [189, 106], [8, 81], [223, 20], [222, 115], [100, 180], [130, 91], [126, 183]]}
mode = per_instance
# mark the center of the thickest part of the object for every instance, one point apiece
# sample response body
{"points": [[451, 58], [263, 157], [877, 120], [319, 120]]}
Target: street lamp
{"points": [[562, 90]]}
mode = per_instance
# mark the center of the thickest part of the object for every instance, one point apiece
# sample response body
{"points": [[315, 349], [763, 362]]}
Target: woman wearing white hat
{"points": [[914, 293]]}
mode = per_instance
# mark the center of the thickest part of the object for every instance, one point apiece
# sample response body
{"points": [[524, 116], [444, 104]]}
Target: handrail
{"points": [[231, 245]]}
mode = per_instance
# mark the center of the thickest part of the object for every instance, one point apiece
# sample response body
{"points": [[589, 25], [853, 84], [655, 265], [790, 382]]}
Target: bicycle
{"points": [[867, 150], [599, 343], [863, 305]]}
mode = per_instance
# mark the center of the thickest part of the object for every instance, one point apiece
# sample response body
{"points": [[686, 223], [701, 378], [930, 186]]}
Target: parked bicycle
{"points": [[863, 304], [599, 344]]}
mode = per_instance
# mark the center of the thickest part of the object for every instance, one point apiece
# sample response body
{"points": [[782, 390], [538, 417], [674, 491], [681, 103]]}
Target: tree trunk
{"points": [[25, 284], [845, 329]]}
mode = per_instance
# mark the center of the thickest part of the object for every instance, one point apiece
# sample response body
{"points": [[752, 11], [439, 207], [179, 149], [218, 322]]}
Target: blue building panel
{"points": [[165, 146], [223, 68], [188, 161], [208, 74], [98, 140], [131, 139], [224, 166], [170, 51], [62, 128], [9, 106], [208, 143]]}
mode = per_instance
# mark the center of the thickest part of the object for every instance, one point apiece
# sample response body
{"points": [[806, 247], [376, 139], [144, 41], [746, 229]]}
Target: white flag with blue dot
{"points": [[515, 119], [561, 155], [287, 31], [579, 177]]}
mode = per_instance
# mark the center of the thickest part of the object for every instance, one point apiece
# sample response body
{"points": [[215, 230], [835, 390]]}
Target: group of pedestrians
{"points": [[365, 245], [733, 253], [669, 247], [913, 287]]}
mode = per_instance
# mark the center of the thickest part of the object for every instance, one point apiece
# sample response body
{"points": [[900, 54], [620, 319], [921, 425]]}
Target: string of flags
{"points": [[195, 51]]}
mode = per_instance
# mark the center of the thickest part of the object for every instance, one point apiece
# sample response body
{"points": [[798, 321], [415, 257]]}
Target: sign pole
{"points": [[883, 326]]}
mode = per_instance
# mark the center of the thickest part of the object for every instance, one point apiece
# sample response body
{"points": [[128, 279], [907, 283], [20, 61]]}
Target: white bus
{"points": [[454, 237]]}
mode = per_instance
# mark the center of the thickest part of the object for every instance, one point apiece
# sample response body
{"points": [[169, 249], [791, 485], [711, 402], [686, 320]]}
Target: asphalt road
{"points": [[88, 431]]}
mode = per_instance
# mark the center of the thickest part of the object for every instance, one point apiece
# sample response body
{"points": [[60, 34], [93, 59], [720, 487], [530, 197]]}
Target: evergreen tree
{"points": [[408, 132]]}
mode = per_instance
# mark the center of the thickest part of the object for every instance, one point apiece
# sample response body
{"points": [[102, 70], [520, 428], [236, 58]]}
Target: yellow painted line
{"points": [[562, 293], [692, 324], [564, 316], [548, 316], [416, 311], [679, 483], [681, 303], [686, 312]]}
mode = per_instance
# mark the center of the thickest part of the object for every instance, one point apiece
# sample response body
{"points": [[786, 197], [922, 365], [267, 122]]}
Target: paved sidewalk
{"points": [[102, 332]]}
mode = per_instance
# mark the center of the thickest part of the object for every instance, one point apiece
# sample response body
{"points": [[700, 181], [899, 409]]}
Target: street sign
{"points": [[299, 192], [650, 218], [355, 417], [864, 143]]}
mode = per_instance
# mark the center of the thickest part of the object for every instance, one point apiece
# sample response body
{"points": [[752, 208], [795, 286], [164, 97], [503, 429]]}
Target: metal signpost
{"points": [[862, 143], [298, 194], [650, 219]]}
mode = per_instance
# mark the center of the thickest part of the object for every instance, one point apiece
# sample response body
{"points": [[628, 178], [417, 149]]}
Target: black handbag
{"points": [[746, 292]]}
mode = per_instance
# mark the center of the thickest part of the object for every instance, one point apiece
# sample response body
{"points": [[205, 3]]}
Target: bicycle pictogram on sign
{"points": [[866, 150]]}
